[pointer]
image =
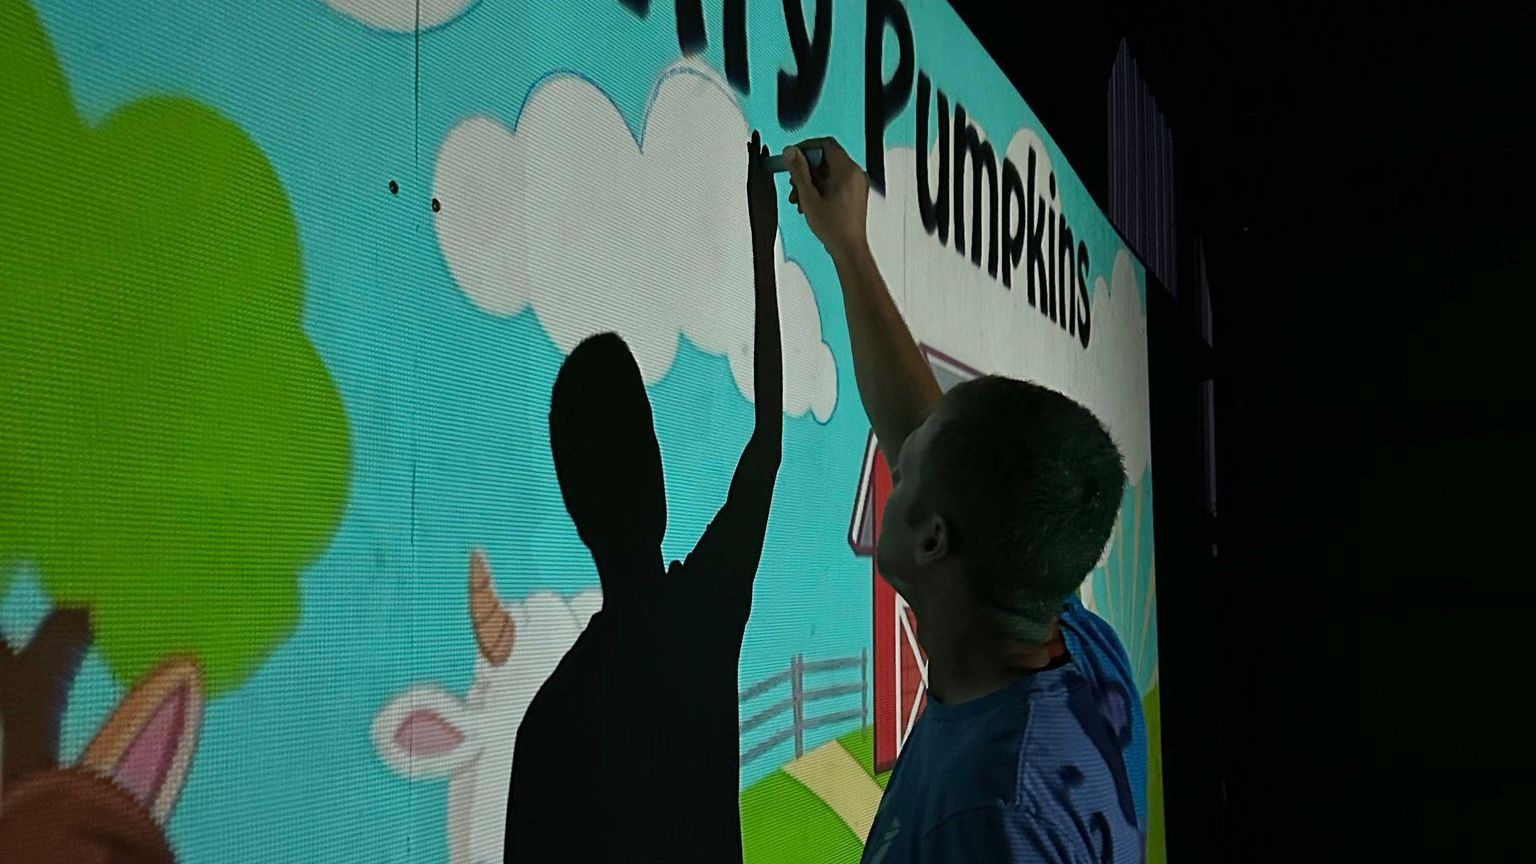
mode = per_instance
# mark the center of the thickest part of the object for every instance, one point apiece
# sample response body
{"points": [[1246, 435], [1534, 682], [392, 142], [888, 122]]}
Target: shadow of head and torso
{"points": [[629, 752]]}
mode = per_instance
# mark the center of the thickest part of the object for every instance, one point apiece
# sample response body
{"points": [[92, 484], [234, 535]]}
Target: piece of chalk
{"points": [[812, 158]]}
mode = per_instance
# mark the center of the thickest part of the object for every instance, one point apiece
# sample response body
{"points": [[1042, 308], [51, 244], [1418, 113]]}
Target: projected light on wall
{"points": [[283, 555]]}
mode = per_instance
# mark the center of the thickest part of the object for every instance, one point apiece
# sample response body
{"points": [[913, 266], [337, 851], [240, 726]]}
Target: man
{"points": [[1003, 496], [630, 750]]}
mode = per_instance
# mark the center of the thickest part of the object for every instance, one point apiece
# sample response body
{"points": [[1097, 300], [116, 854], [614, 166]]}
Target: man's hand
{"points": [[895, 381], [833, 197], [762, 201]]}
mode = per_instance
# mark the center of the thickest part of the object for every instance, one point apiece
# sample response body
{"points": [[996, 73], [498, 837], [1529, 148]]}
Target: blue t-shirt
{"points": [[1051, 768]]}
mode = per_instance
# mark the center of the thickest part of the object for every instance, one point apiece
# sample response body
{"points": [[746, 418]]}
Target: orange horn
{"points": [[495, 630]]}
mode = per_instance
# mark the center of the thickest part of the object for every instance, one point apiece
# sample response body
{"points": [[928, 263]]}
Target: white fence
{"points": [[805, 694]]}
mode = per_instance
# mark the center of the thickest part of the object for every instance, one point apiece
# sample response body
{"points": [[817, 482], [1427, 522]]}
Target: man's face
{"points": [[908, 511]]}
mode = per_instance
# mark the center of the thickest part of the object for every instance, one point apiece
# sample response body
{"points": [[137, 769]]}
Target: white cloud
{"points": [[400, 15], [570, 215], [956, 307]]}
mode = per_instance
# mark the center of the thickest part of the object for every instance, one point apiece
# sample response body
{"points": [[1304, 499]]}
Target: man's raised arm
{"points": [[895, 382], [732, 545]]}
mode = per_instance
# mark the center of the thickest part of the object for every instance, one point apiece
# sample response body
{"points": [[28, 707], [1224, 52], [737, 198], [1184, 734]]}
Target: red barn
{"points": [[901, 669]]}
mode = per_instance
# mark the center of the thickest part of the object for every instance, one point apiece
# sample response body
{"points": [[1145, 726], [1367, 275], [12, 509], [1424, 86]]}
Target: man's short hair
{"points": [[1031, 483]]}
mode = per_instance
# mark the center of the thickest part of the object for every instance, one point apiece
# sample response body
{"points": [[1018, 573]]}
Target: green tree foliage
{"points": [[172, 450]]}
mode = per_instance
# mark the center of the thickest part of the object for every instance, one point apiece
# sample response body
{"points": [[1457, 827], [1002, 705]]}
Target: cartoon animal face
{"points": [[111, 806], [427, 732]]}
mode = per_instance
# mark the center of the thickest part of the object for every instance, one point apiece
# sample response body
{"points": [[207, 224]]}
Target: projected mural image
{"points": [[284, 554], [430, 734], [116, 799], [599, 707]]}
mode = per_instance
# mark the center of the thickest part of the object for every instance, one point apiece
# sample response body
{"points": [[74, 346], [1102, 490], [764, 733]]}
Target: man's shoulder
{"points": [[1080, 621], [1095, 647], [984, 771], [979, 761], [702, 591], [1028, 768]]}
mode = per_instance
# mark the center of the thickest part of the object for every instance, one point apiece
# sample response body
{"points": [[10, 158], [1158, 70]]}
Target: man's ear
{"points": [[933, 539]]}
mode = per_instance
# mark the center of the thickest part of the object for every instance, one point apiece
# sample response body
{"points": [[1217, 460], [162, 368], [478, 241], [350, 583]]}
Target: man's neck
{"points": [[625, 572], [966, 661]]}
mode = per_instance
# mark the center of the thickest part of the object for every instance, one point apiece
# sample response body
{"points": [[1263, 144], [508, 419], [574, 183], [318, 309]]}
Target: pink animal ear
{"points": [[147, 743], [425, 732]]}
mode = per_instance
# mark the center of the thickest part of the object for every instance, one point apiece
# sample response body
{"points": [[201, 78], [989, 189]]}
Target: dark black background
{"points": [[1349, 676]]}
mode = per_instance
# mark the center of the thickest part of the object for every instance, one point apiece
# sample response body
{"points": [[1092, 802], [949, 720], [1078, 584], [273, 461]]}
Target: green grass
{"points": [[783, 822], [860, 744], [1151, 709]]}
